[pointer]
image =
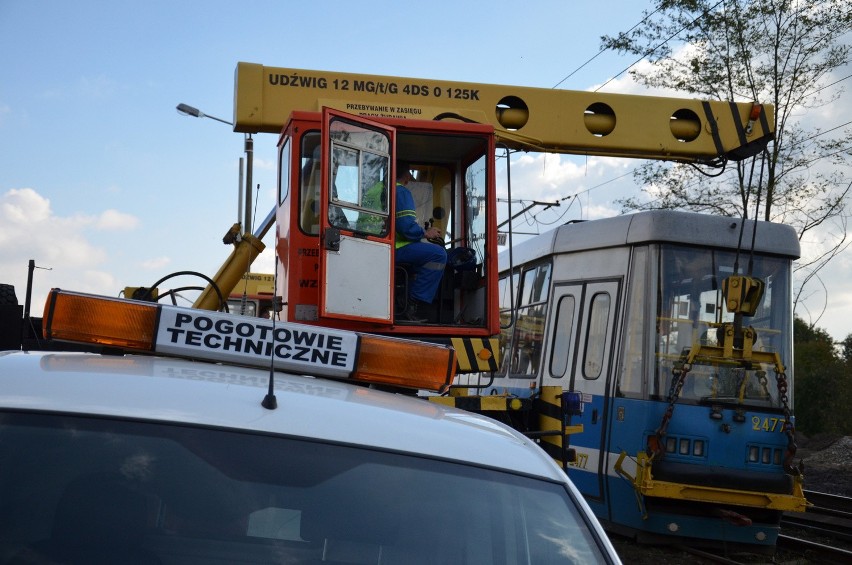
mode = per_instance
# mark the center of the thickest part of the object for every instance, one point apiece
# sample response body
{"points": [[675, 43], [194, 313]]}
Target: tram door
{"points": [[584, 318]]}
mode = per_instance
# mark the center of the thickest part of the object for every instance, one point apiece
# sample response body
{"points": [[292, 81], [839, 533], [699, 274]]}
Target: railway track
{"points": [[823, 533]]}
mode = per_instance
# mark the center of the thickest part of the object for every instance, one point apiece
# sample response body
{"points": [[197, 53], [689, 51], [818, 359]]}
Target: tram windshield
{"points": [[690, 307]]}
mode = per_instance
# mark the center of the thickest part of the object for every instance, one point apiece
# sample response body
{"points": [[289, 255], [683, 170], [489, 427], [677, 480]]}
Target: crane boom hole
{"points": [[512, 113], [599, 119], [685, 125]]}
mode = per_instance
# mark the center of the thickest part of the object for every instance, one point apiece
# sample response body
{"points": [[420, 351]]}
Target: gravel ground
{"points": [[828, 464], [828, 468]]}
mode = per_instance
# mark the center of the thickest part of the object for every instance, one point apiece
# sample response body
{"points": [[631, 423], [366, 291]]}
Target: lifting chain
{"points": [[679, 371], [789, 430], [763, 381]]}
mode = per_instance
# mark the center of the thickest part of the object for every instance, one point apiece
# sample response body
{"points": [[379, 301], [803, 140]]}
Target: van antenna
{"points": [[269, 401]]}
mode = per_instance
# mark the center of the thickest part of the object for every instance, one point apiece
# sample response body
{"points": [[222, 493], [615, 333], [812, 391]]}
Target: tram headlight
{"points": [[698, 448], [753, 454]]}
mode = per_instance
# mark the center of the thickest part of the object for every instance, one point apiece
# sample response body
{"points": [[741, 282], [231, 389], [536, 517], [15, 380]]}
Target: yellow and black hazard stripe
{"points": [[475, 355], [551, 418], [487, 403]]}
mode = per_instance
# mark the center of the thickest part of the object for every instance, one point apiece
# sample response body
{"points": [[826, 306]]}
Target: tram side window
{"points": [[528, 335], [562, 336], [508, 293], [593, 356], [635, 345]]}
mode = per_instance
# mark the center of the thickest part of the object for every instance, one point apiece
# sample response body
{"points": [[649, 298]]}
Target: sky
{"points": [[105, 185]]}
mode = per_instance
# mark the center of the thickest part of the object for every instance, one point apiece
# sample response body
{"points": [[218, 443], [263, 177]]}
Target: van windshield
{"points": [[96, 490]]}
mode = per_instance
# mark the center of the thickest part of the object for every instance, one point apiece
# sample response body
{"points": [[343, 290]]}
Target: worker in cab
{"points": [[426, 259]]}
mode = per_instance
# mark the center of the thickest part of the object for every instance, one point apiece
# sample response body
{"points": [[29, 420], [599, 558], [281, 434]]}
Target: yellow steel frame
{"points": [[645, 485], [535, 119], [231, 272]]}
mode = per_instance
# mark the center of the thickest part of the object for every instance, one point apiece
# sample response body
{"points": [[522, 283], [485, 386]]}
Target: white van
{"points": [[118, 457]]}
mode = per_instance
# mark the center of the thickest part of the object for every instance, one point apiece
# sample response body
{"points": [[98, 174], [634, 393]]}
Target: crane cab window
{"points": [[284, 173], [359, 178], [309, 183], [359, 181], [475, 197]]}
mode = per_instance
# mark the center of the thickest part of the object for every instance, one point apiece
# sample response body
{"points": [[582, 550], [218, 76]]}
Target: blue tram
{"points": [[680, 418]]}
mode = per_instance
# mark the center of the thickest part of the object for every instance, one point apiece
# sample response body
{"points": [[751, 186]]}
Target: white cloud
{"points": [[264, 164], [64, 255], [265, 262], [156, 263], [624, 84], [593, 182], [21, 206], [115, 220]]}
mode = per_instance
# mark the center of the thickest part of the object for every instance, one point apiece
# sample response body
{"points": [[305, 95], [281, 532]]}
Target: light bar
{"points": [[397, 362], [103, 321], [221, 337]]}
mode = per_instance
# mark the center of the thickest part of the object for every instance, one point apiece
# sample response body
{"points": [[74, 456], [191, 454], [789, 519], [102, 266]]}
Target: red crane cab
{"points": [[335, 235]]}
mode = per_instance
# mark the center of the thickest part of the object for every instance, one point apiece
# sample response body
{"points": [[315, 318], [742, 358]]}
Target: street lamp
{"points": [[188, 110]]}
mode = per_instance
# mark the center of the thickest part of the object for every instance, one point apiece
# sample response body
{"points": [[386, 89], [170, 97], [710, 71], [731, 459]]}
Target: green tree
{"points": [[781, 52], [846, 350], [821, 385]]}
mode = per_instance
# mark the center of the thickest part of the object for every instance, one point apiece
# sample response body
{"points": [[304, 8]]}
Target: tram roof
{"points": [[659, 226]]}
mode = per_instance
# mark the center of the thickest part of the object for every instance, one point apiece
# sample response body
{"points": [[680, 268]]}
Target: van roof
{"points": [[211, 394]]}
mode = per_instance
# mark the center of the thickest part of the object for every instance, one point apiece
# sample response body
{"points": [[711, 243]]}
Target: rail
{"points": [[823, 534]]}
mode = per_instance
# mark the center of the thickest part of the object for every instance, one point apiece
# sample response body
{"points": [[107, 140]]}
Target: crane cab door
{"points": [[584, 318], [356, 219]]}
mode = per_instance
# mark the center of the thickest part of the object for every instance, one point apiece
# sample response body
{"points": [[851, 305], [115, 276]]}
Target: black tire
{"points": [[7, 295]]}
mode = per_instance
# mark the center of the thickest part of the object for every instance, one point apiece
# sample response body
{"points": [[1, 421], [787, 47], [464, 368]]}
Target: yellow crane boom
{"points": [[533, 119]]}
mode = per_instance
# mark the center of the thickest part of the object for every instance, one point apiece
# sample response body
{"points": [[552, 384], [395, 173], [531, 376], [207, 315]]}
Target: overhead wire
{"points": [[820, 134], [572, 73], [820, 89], [531, 219], [577, 194], [698, 181], [649, 52], [574, 196], [555, 220]]}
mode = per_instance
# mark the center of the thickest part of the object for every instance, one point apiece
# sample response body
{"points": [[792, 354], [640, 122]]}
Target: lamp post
{"points": [[188, 110]]}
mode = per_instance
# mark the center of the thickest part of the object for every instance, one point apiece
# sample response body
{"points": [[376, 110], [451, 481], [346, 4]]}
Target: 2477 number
{"points": [[767, 424]]}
